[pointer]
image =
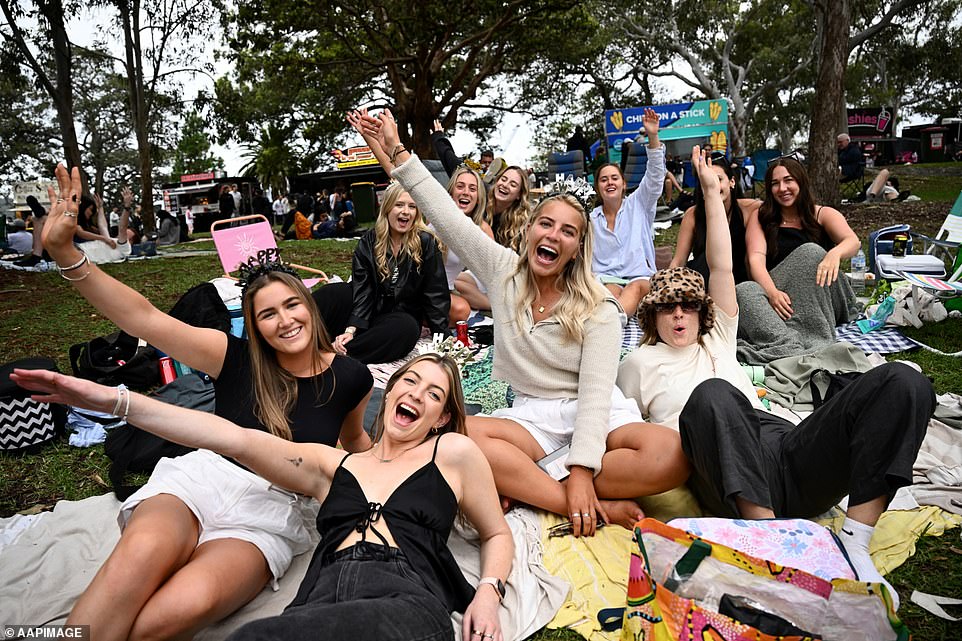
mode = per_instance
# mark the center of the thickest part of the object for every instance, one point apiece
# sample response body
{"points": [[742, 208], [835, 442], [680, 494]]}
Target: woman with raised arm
{"points": [[558, 335], [382, 569], [691, 234], [204, 535], [747, 462], [795, 298], [624, 252], [397, 285]]}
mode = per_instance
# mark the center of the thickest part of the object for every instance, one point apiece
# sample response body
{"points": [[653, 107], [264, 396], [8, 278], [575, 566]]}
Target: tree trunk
{"points": [[836, 19]]}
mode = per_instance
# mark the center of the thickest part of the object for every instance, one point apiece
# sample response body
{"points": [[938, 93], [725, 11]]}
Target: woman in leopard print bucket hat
{"points": [[745, 461]]}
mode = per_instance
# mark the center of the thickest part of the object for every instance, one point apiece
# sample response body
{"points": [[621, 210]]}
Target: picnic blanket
{"points": [[884, 340], [762, 334], [51, 560]]}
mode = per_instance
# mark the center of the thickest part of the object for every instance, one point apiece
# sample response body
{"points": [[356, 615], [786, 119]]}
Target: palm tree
{"points": [[273, 157]]}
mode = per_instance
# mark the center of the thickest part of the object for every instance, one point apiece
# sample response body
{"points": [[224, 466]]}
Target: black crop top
{"points": [[790, 239], [420, 512], [319, 412]]}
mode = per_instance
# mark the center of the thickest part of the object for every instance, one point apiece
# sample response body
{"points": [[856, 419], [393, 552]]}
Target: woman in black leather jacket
{"points": [[397, 284]]}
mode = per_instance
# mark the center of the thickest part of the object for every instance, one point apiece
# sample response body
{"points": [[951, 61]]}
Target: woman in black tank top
{"points": [[383, 569]]}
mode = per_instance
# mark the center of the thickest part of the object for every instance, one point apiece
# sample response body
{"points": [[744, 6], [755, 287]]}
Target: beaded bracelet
{"points": [[398, 149]]}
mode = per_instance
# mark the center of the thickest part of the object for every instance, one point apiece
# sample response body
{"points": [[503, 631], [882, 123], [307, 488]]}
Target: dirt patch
{"points": [[924, 217]]}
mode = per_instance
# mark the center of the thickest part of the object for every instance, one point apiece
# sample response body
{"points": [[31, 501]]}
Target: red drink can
{"points": [[462, 330], [167, 371]]}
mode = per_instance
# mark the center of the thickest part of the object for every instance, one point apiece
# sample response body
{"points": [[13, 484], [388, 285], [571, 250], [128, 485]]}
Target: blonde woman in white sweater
{"points": [[557, 336]]}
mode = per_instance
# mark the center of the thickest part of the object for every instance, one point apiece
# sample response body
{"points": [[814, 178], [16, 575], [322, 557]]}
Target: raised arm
{"points": [[480, 254], [443, 149], [201, 348], [305, 468], [653, 182], [846, 242], [718, 240]]}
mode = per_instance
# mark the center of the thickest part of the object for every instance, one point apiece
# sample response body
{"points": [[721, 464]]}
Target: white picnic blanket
{"points": [[48, 561]]}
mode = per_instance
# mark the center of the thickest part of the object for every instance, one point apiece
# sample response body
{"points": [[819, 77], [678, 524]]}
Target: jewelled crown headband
{"points": [[579, 188], [451, 347], [255, 267]]}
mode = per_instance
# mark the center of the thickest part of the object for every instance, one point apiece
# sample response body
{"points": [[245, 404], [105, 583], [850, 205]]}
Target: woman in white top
{"points": [[749, 463], [624, 253]]}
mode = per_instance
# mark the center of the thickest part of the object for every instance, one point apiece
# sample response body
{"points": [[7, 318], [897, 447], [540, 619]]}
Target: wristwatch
{"points": [[496, 583]]}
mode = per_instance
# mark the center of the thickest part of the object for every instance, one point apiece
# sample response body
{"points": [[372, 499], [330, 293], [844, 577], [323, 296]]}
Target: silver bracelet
{"points": [[127, 406], [74, 280], [120, 390], [75, 265]]}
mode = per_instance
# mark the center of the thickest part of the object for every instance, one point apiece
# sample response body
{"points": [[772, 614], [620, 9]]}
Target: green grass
{"points": [[40, 314]]}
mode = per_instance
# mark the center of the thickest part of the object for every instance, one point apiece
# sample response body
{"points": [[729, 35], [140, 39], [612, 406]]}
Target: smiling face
{"points": [[403, 215], [508, 187], [610, 184], [282, 318], [465, 191], [554, 238], [416, 402], [676, 325], [783, 187]]}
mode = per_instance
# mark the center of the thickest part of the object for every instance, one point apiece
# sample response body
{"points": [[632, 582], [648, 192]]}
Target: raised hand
{"points": [[58, 232], [650, 122], [127, 195], [53, 387], [701, 163], [369, 128], [389, 129]]}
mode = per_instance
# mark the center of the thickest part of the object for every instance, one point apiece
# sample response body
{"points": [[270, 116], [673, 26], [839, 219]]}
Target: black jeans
{"points": [[388, 337], [367, 591], [862, 442]]}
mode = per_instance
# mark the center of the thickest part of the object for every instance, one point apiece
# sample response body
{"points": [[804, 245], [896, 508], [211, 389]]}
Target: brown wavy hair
{"points": [[275, 389]]}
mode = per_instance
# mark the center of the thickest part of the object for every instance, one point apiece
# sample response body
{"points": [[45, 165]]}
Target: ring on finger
{"points": [[585, 515], [60, 201], [487, 636], [69, 214], [477, 632], [576, 514]]}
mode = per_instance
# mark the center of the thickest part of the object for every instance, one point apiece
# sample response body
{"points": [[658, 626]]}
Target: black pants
{"points": [[361, 595], [387, 338], [862, 442]]}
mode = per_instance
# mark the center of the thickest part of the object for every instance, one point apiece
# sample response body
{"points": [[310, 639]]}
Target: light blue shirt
{"points": [[629, 251]]}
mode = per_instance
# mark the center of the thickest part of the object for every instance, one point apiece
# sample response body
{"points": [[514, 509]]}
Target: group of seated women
{"points": [[208, 531]]}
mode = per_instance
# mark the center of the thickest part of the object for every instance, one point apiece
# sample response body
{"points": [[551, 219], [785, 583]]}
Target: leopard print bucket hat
{"points": [[677, 285]]}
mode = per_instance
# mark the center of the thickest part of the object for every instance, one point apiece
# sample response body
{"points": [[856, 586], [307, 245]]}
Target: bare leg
{"points": [[512, 453], [159, 539], [122, 227], [469, 290], [632, 294], [220, 577], [868, 512], [875, 189], [38, 224], [460, 310]]}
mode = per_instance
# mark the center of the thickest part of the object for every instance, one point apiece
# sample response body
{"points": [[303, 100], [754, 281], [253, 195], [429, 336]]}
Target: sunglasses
{"points": [[687, 306], [794, 155], [718, 155]]}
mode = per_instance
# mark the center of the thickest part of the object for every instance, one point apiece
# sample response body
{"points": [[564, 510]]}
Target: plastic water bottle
{"points": [[858, 272]]}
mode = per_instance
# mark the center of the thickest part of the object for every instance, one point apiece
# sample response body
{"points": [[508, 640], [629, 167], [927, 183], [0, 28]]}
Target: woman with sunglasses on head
{"points": [[382, 569], [397, 284], [746, 462], [558, 335], [205, 535], [624, 253], [690, 246], [796, 297]]}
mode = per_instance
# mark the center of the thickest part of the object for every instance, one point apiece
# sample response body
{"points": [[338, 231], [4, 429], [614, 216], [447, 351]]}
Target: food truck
{"points": [[196, 197]]}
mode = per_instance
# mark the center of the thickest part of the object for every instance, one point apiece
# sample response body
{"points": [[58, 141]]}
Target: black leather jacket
{"points": [[422, 293]]}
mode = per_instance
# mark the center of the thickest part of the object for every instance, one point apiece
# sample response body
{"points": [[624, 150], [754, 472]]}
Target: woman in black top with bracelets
{"points": [[204, 535], [382, 570]]}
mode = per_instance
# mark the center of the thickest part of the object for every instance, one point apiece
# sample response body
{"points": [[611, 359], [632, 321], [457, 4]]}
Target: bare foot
{"points": [[623, 512]]}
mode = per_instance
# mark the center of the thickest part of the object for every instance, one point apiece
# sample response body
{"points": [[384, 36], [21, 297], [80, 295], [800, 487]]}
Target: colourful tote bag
{"points": [[679, 585]]}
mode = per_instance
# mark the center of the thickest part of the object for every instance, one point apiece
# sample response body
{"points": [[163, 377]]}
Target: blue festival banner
{"points": [[703, 119]]}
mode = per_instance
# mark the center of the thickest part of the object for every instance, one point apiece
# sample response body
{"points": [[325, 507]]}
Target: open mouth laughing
{"points": [[405, 414]]}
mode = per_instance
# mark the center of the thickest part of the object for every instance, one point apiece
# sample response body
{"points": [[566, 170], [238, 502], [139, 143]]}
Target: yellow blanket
{"points": [[597, 568]]}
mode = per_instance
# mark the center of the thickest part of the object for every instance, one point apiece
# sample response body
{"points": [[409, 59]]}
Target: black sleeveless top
{"points": [[790, 239], [420, 513], [736, 229]]}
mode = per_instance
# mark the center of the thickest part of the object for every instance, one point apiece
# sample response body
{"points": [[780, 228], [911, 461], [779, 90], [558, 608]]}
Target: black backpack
{"points": [[25, 424]]}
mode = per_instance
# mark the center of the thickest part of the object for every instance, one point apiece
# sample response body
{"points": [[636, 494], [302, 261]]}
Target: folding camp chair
{"points": [[253, 237]]}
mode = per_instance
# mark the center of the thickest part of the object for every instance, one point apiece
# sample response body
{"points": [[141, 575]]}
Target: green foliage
{"points": [[27, 124], [272, 158], [192, 155], [301, 69]]}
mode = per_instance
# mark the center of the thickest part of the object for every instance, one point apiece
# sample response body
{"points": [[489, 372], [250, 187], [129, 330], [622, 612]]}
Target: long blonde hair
{"points": [[275, 389], [410, 242], [476, 214], [453, 405], [581, 293], [512, 223]]}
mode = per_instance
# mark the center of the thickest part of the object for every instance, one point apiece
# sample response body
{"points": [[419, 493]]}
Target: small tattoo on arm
{"points": [[296, 462]]}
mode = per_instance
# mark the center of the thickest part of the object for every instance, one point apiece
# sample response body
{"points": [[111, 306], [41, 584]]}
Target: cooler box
{"points": [[889, 266]]}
